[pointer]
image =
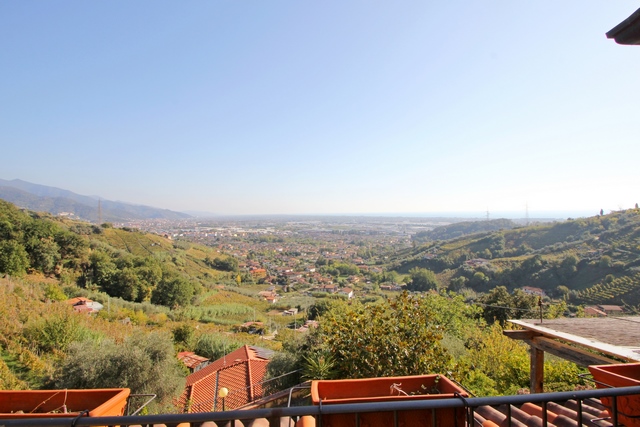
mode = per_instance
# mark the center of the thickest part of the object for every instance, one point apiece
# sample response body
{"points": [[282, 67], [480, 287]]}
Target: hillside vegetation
{"points": [[586, 260], [161, 296], [123, 263]]}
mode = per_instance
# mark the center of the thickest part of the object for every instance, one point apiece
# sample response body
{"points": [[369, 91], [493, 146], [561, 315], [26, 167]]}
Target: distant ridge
{"points": [[56, 201], [202, 214]]}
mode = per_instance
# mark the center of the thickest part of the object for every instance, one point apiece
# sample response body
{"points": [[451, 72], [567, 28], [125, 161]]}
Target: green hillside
{"points": [[161, 296], [597, 259], [123, 263]]}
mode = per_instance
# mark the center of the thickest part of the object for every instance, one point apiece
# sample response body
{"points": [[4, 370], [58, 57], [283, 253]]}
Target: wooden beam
{"points": [[537, 370], [523, 335], [578, 356]]}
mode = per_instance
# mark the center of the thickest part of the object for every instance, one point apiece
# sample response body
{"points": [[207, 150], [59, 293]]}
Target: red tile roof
{"points": [[240, 371], [78, 300], [190, 359]]}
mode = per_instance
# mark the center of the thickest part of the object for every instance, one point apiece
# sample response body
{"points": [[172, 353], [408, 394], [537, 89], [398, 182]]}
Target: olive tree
{"points": [[144, 362]]}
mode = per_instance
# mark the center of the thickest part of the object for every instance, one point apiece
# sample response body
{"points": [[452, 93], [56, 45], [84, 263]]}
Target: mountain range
{"points": [[57, 201]]}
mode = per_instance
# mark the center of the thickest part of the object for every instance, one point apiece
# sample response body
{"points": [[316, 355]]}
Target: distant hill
{"points": [[595, 260], [42, 198], [451, 231], [122, 262]]}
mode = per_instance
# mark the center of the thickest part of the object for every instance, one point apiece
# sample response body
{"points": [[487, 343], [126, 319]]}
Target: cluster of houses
{"points": [[603, 310]]}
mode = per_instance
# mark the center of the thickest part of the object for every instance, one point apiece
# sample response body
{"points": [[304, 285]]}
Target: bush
{"points": [[57, 332], [395, 338], [144, 362], [14, 259], [214, 346]]}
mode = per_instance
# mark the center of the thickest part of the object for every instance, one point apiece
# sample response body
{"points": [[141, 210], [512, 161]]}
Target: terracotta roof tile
{"points": [[240, 371], [190, 359]]}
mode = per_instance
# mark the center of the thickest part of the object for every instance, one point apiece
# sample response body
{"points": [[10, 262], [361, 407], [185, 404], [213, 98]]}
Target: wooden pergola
{"points": [[584, 341]]}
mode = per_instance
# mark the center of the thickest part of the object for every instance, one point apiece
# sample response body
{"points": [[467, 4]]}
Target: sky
{"points": [[332, 107]]}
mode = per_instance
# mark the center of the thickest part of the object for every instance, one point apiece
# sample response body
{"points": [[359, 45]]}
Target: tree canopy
{"points": [[397, 337], [422, 280]]}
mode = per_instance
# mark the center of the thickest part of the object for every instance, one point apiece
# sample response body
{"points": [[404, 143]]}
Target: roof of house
{"points": [[610, 307], [628, 31], [240, 371], [78, 300], [190, 359], [589, 310]]}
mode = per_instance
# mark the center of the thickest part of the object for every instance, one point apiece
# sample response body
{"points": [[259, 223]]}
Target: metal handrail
{"points": [[350, 408], [141, 407]]}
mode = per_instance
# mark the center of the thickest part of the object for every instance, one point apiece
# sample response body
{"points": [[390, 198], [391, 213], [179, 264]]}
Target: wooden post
{"points": [[537, 369]]}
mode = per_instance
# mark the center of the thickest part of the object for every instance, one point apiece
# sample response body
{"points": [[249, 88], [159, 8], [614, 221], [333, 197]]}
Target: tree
{"points": [[283, 371], [497, 305], [458, 283], [45, 254], [102, 269], [501, 306], [422, 280], [564, 291], [172, 292], [397, 337], [568, 267], [479, 280], [605, 261], [224, 264], [14, 259], [54, 293], [184, 335], [144, 362]]}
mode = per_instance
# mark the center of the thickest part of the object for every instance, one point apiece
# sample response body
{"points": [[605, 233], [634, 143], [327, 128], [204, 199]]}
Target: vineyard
{"points": [[621, 290]]}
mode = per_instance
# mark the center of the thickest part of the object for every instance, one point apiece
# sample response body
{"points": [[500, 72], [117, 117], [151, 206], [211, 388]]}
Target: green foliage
{"points": [[422, 280], [143, 362], [504, 361], [452, 314], [184, 335], [215, 346], [499, 305], [223, 264], [568, 267], [283, 370], [394, 338], [498, 365], [319, 366], [54, 293], [620, 290], [173, 292], [462, 228], [233, 312], [14, 259], [56, 332], [8, 380], [320, 308]]}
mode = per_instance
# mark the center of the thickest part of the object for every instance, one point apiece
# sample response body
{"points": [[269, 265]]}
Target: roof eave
{"points": [[628, 31]]}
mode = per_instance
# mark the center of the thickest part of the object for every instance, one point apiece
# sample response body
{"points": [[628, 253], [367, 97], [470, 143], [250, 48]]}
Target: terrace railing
{"points": [[288, 416]]}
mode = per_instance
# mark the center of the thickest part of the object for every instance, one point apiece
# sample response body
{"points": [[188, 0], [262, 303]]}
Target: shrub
{"points": [[214, 346], [56, 332], [144, 362]]}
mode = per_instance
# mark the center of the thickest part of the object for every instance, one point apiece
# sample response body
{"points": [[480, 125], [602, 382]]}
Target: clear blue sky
{"points": [[266, 107]]}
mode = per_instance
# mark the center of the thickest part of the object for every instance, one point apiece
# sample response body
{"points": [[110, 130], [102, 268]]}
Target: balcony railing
{"points": [[288, 416]]}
